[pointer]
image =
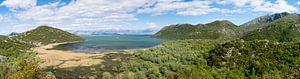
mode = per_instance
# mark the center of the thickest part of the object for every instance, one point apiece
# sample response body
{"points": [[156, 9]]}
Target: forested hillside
{"points": [[217, 30], [46, 35]]}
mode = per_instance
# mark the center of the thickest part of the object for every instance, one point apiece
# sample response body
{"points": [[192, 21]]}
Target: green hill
{"points": [[264, 20], [218, 30], [47, 35], [2, 37], [287, 30]]}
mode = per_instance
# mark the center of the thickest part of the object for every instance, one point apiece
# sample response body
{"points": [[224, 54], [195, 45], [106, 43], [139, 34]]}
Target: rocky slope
{"points": [[263, 20]]}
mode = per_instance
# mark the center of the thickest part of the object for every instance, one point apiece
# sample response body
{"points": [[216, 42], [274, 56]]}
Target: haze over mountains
{"points": [[113, 32]]}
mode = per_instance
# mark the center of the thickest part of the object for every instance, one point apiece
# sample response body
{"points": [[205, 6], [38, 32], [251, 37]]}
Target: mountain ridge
{"points": [[44, 35], [220, 29], [263, 20]]}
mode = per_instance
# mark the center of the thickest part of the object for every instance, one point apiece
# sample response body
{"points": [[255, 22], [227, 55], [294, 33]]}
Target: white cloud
{"points": [[193, 8], [98, 10], [118, 14], [238, 3], [279, 6], [82, 12], [196, 12], [19, 4], [151, 25], [298, 3], [228, 11], [1, 18], [261, 5]]}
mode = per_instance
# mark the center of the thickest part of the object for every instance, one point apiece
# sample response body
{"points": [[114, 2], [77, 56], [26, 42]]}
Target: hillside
{"points": [[210, 59], [281, 30], [2, 37], [46, 35], [264, 20], [18, 61], [257, 59], [218, 30]]}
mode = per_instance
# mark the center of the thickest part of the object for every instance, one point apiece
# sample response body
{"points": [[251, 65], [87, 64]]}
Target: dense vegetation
{"points": [[2, 37], [205, 59], [258, 59], [218, 30], [46, 35], [18, 62], [170, 60]]}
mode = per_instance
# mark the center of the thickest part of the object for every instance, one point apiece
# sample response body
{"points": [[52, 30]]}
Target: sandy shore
{"points": [[65, 59]]}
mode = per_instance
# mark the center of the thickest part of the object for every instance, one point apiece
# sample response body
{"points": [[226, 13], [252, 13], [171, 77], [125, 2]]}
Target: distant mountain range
{"points": [[113, 32], [282, 27]]}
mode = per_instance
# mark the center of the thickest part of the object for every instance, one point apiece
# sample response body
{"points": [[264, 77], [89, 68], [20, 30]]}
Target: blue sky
{"points": [[118, 15]]}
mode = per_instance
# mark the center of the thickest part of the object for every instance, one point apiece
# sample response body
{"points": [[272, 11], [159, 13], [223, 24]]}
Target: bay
{"points": [[106, 43]]}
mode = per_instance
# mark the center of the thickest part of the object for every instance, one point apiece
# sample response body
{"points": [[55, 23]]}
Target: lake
{"points": [[106, 43]]}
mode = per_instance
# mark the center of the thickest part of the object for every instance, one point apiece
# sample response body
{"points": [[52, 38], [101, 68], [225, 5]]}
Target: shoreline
{"points": [[66, 59]]}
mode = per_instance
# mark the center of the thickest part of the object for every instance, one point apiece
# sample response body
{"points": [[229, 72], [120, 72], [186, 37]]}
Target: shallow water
{"points": [[106, 43]]}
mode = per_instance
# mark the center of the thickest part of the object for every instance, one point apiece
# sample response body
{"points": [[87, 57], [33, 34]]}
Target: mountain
{"points": [[14, 34], [263, 20], [46, 35], [113, 32], [287, 30], [216, 30]]}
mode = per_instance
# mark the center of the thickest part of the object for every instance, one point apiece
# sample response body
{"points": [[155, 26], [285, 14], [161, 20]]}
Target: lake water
{"points": [[104, 43]]}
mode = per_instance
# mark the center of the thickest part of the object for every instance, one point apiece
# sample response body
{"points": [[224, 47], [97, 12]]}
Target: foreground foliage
{"points": [[258, 59], [204, 59], [18, 61]]}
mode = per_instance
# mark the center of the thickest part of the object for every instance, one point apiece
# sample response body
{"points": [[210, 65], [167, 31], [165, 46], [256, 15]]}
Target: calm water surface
{"points": [[95, 43]]}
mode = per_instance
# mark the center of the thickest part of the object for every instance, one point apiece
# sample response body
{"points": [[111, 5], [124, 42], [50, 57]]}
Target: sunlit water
{"points": [[104, 43]]}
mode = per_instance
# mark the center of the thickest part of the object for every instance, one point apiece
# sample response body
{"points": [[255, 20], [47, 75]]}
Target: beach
{"points": [[66, 59]]}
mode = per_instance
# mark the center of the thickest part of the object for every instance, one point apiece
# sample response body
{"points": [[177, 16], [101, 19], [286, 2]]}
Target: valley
{"points": [[216, 50]]}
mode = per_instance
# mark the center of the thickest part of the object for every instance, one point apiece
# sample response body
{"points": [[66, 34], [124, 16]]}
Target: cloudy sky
{"points": [[22, 15]]}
